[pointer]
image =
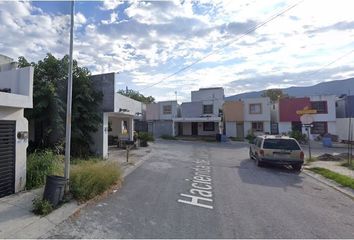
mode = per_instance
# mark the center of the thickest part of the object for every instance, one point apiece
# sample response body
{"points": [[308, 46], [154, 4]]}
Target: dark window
{"points": [[167, 109], [320, 106], [208, 126], [319, 128], [257, 126], [284, 144], [208, 109], [255, 108]]}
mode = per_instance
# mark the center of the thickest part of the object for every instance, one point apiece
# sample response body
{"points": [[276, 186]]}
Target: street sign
{"points": [[306, 119], [306, 111]]}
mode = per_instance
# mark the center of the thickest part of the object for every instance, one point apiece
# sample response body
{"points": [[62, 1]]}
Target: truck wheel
{"points": [[297, 167]]}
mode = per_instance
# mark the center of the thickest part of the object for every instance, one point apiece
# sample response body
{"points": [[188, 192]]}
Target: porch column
{"points": [[131, 128], [173, 129]]}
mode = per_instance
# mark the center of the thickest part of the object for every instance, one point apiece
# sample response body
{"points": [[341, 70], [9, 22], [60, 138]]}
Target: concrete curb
{"points": [[46, 224], [346, 191]]}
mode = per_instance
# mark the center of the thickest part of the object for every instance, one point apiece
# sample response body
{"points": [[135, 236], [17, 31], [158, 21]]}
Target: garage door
{"points": [[7, 157]]}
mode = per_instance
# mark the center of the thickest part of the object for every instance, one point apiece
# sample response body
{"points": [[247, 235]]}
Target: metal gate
{"points": [[7, 157]]}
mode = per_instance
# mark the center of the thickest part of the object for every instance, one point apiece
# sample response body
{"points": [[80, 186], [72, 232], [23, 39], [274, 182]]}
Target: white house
{"points": [[257, 117], [16, 86]]}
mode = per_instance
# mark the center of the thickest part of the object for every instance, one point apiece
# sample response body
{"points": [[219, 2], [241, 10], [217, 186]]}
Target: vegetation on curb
{"points": [[350, 166], [89, 178], [41, 207], [236, 139], [144, 136], [339, 178], [299, 136], [250, 137], [168, 137], [39, 165]]}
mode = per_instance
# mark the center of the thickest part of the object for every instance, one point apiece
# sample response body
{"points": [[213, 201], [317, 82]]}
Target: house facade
{"points": [[118, 114], [16, 90], [233, 112], [201, 116], [257, 117], [160, 117], [324, 119], [345, 118]]}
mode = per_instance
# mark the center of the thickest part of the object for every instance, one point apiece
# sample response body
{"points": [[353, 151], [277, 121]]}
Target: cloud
{"points": [[111, 4]]}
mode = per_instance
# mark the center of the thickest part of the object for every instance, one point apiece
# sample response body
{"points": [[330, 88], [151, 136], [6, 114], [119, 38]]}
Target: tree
{"points": [[274, 94], [49, 104], [137, 96]]}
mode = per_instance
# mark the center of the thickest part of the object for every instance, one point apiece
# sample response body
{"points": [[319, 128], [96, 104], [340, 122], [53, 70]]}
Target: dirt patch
{"points": [[329, 157]]}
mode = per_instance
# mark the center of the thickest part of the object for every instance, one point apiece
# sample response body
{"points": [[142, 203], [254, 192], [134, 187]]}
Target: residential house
{"points": [[257, 117], [201, 116], [118, 114], [160, 117], [324, 119], [233, 112], [16, 89], [345, 118]]}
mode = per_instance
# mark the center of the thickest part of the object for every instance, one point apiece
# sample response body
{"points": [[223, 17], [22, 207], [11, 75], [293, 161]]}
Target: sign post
{"points": [[307, 120]]}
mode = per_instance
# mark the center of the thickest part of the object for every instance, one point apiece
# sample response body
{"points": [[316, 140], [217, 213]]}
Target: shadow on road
{"points": [[273, 176]]}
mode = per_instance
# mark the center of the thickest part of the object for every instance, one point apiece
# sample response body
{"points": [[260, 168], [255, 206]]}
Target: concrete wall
{"points": [[123, 102], [106, 84], [274, 112], [191, 109], [187, 129], [16, 114], [160, 127], [7, 63], [345, 107], [173, 113], [116, 124], [201, 132], [331, 107], [233, 111], [231, 130], [264, 116], [100, 138], [152, 111], [20, 81], [284, 127], [208, 96], [248, 127], [342, 128]]}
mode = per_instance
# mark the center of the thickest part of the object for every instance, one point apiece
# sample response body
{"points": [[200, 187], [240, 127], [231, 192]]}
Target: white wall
{"points": [[231, 130], [201, 132], [331, 107], [264, 116], [124, 102], [342, 128], [16, 114], [100, 138], [210, 96], [248, 127], [21, 83], [173, 112]]}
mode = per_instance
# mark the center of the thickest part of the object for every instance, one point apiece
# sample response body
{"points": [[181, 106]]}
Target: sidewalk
{"points": [[333, 166], [17, 220]]}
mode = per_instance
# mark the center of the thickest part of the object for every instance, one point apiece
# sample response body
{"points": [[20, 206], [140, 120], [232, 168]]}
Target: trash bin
{"points": [[218, 137], [327, 142], [54, 189]]}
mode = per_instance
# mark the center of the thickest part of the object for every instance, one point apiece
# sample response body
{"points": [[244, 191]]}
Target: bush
{"points": [[89, 178], [168, 137], [147, 137], [41, 207], [39, 165], [250, 137], [299, 136]]}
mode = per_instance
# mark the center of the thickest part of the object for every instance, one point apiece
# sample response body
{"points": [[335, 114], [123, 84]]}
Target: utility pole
{"points": [[69, 103]]}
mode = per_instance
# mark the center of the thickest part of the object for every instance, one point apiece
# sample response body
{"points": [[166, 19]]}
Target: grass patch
{"points": [[339, 178], [41, 207], [350, 166], [168, 137], [39, 165], [90, 178]]}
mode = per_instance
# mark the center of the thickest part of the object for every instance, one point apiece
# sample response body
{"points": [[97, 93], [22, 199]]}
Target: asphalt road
{"points": [[247, 201]]}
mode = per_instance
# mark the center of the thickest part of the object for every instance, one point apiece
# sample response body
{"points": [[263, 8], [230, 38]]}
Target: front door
{"points": [[239, 130], [194, 129], [7, 157]]}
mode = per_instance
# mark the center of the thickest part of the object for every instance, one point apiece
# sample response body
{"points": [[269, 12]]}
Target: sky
{"points": [[147, 43]]}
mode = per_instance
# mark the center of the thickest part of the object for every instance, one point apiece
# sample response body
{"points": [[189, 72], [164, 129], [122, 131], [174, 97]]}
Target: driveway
{"points": [[240, 200]]}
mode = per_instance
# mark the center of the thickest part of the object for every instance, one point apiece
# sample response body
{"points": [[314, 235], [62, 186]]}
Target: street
{"points": [[238, 200]]}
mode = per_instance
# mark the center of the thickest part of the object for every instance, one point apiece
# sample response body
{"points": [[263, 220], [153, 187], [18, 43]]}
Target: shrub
{"points": [[250, 137], [168, 137], [41, 207], [144, 136], [39, 165], [299, 136], [89, 179]]}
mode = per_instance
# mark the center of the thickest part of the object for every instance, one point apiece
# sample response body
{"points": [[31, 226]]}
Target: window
{"points": [[255, 108], [208, 126], [320, 106], [208, 109], [257, 126], [284, 144], [319, 128], [167, 109]]}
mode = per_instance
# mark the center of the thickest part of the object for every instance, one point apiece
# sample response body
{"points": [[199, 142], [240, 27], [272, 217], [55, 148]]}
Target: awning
{"points": [[200, 119]]}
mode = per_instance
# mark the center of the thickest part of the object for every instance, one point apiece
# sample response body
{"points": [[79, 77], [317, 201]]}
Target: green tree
{"points": [[137, 96], [49, 104], [274, 94]]}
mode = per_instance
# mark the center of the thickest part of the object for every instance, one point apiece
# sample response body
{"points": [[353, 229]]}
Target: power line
{"points": [[250, 30]]}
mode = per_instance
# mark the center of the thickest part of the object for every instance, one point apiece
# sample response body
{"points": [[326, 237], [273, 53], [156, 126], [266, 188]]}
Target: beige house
{"points": [[234, 119]]}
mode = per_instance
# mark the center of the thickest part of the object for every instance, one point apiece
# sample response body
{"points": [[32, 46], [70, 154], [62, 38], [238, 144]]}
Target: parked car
{"points": [[279, 150]]}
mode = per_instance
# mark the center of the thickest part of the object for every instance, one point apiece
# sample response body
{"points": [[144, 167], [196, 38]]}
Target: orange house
{"points": [[234, 119]]}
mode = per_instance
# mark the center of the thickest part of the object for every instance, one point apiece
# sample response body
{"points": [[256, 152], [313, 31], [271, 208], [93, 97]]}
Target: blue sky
{"points": [[147, 41]]}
